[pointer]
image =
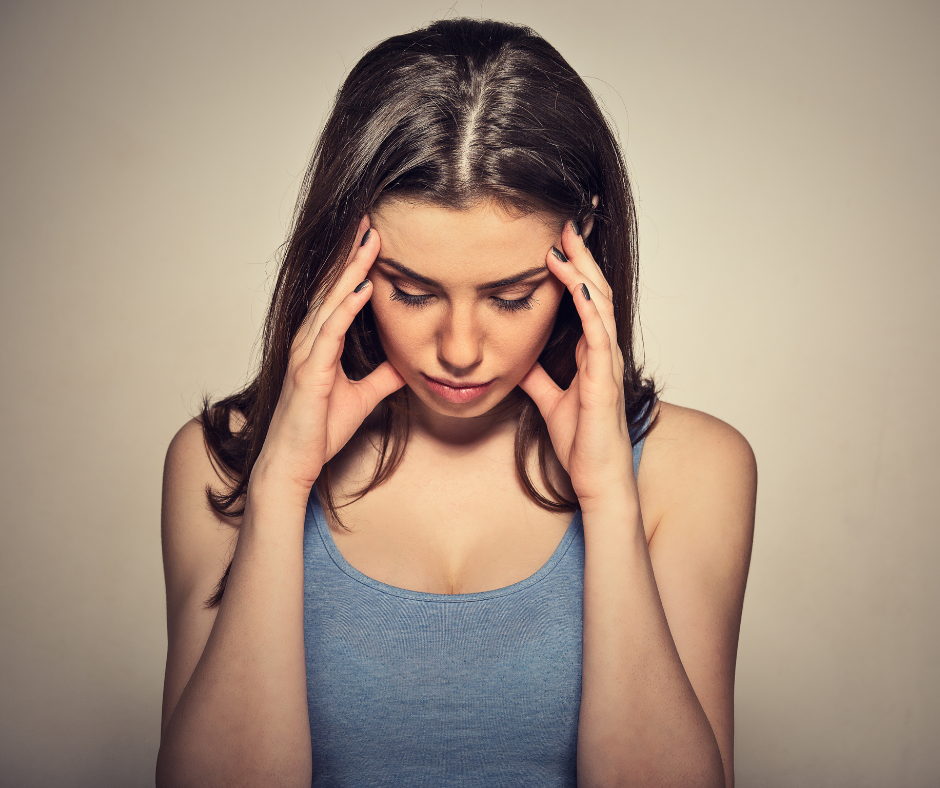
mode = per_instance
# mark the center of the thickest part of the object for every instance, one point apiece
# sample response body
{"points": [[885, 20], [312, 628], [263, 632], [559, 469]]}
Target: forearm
{"points": [[641, 723], [242, 718]]}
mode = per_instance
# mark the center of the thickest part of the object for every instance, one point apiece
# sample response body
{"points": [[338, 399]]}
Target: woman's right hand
{"points": [[319, 408], [235, 698]]}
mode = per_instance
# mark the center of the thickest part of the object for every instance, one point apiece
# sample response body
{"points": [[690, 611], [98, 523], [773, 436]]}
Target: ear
{"points": [[588, 224]]}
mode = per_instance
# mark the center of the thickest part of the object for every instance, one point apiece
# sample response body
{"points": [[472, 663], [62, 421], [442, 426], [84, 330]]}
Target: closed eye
{"points": [[514, 304], [408, 298], [504, 304]]}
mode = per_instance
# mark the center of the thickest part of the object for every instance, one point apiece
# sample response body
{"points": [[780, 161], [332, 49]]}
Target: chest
{"points": [[461, 539], [421, 682], [445, 525]]}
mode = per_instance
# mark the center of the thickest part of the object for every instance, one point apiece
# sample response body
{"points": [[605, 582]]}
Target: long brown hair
{"points": [[452, 114]]}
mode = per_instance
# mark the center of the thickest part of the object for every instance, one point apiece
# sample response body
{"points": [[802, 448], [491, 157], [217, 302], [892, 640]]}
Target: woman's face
{"points": [[463, 300]]}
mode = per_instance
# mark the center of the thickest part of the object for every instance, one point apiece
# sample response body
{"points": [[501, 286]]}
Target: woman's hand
{"points": [[319, 408], [587, 422]]}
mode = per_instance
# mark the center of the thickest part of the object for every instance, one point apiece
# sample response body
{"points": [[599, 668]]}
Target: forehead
{"points": [[464, 246]]}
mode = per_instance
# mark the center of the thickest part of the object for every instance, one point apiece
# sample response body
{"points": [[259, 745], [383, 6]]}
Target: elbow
{"points": [[207, 767], [164, 777], [701, 771], [172, 770]]}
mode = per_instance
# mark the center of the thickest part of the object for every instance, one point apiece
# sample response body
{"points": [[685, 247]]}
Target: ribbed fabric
{"points": [[409, 689]]}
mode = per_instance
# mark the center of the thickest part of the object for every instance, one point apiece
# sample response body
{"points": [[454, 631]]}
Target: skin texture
{"points": [[666, 553], [459, 333]]}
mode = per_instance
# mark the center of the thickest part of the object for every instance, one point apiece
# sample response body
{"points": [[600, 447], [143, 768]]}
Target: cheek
{"points": [[542, 328], [397, 333], [520, 343]]}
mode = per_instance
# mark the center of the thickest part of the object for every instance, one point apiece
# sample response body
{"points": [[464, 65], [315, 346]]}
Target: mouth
{"points": [[456, 391]]}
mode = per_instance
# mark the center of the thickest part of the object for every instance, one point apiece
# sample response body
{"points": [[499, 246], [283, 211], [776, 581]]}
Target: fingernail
{"points": [[576, 226], [362, 285], [584, 290], [559, 254], [366, 236]]}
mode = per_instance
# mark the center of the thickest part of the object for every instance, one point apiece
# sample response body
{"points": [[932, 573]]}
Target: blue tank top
{"points": [[410, 689]]}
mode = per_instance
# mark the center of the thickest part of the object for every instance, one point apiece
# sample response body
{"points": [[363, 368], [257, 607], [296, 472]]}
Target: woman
{"points": [[443, 568]]}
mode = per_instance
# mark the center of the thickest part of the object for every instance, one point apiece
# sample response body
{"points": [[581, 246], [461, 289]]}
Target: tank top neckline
{"points": [[315, 509]]}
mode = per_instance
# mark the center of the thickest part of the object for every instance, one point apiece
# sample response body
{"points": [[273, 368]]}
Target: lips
{"points": [[456, 391]]}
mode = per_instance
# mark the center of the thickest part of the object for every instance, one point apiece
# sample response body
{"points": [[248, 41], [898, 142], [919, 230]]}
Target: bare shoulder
{"points": [[694, 460], [197, 545], [699, 483], [196, 540]]}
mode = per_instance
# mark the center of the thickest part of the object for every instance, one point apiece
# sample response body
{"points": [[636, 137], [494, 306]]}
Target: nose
{"points": [[459, 342]]}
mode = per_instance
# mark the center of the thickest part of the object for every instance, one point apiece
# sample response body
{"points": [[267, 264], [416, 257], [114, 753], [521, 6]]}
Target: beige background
{"points": [[785, 162]]}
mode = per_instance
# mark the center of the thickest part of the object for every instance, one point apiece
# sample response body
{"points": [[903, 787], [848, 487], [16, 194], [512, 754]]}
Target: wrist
{"points": [[618, 503], [608, 489], [268, 484]]}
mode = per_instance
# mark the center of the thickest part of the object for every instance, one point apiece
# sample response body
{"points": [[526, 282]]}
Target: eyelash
{"points": [[506, 304]]}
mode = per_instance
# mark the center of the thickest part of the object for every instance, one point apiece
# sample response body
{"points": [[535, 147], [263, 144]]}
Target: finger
{"points": [[378, 384], [577, 252], [365, 224], [538, 384], [582, 259], [572, 278], [599, 369], [356, 267], [328, 343], [354, 271], [362, 233], [362, 256]]}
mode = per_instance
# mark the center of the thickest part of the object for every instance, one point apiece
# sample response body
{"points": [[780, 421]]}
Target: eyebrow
{"points": [[509, 280]]}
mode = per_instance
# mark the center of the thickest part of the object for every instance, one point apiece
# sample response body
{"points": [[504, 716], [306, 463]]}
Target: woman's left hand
{"points": [[587, 422]]}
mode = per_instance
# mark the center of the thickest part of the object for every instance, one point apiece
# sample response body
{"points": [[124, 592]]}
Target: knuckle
{"points": [[327, 330], [302, 375], [310, 377], [302, 332], [293, 361]]}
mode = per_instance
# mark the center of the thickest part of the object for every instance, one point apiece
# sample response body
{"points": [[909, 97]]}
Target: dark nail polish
{"points": [[576, 226], [361, 286], [559, 254], [366, 236], [585, 291]]}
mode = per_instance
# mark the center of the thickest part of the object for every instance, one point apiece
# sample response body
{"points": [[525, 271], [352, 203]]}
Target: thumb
{"points": [[538, 384], [379, 383]]}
